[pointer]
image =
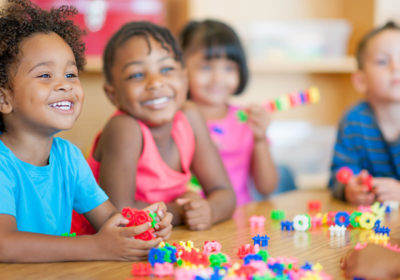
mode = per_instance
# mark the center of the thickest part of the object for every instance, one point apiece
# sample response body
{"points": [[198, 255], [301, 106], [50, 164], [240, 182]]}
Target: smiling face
{"points": [[46, 95], [381, 70], [211, 81], [147, 82]]}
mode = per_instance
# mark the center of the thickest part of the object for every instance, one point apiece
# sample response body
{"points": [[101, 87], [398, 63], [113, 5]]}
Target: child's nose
{"points": [[63, 85], [154, 82]]}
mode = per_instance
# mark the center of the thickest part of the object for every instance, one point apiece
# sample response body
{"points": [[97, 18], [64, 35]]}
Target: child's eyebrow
{"points": [[142, 62], [46, 63]]}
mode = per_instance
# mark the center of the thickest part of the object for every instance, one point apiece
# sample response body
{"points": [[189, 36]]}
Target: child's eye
{"points": [[165, 70], [46, 76], [71, 75], [381, 61], [205, 67], [136, 76]]}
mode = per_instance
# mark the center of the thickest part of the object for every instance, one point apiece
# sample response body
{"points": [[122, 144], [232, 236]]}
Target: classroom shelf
{"points": [[94, 64], [320, 65]]}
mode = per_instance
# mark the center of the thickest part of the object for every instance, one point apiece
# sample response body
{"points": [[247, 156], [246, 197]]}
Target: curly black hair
{"points": [[362, 45], [139, 28], [20, 19]]}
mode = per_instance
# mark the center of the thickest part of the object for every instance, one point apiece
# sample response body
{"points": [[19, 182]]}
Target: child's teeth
{"points": [[63, 105], [156, 101]]}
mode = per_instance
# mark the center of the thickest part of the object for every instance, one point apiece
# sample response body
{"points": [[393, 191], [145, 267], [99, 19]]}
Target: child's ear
{"points": [[5, 104], [111, 93], [359, 81]]}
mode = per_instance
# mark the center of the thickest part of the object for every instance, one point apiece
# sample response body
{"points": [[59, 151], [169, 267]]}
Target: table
{"points": [[314, 246]]}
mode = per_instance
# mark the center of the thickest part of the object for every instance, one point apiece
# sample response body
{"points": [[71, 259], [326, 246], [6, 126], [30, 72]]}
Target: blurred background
{"points": [[291, 45]]}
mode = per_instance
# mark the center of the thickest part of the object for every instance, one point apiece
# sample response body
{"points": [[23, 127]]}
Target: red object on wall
{"points": [[102, 18]]}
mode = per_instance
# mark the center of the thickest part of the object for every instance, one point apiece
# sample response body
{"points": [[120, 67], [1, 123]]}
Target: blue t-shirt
{"points": [[41, 198], [360, 144]]}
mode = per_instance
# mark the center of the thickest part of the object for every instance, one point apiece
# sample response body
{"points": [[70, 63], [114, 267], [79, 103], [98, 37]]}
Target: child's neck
{"points": [[159, 135], [28, 148], [388, 118], [213, 112]]}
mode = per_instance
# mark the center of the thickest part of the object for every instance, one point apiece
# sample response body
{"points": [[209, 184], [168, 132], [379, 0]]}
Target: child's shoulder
{"points": [[361, 112]]}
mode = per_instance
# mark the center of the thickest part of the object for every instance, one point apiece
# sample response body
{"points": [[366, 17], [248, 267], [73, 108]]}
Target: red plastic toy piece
{"points": [[141, 269], [245, 250], [138, 217], [314, 205], [344, 174]]}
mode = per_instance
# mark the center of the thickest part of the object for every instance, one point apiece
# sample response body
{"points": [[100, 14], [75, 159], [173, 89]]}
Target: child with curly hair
{"points": [[43, 178]]}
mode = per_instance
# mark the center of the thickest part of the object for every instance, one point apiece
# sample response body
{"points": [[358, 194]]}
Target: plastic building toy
{"points": [[342, 219], [163, 269], [301, 222], [355, 219], [156, 256], [261, 240], [337, 231], [138, 217], [314, 205], [252, 257], [247, 249], [277, 215], [73, 234], [141, 269], [292, 100], [211, 247], [287, 225], [257, 221], [367, 220], [344, 174]]}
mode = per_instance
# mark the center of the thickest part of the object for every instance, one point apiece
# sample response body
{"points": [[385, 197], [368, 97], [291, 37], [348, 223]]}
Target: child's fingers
{"points": [[117, 220], [165, 232], [182, 201], [135, 230], [167, 220], [366, 198], [138, 244]]}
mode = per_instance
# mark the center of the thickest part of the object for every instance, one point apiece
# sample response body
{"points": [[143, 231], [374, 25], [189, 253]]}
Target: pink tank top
{"points": [[155, 180]]}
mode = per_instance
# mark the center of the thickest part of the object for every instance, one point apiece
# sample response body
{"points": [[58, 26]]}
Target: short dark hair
{"points": [[218, 39], [20, 19], [139, 28], [362, 45]]}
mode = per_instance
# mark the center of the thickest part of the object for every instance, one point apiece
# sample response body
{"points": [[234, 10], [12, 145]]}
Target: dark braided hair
{"points": [[139, 28], [20, 19], [390, 25]]}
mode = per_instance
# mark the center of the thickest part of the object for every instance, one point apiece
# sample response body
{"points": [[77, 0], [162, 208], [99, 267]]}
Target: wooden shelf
{"points": [[94, 64], [323, 65]]}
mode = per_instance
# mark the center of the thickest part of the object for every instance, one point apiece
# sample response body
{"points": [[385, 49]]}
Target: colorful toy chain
{"points": [[292, 100]]}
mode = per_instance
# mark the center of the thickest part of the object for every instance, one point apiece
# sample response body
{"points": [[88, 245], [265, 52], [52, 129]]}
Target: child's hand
{"points": [[258, 120], [356, 192], [163, 227], [386, 189], [116, 242], [197, 213], [372, 262]]}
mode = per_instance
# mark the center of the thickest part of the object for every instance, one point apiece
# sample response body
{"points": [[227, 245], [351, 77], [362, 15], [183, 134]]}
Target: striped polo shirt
{"points": [[360, 144]]}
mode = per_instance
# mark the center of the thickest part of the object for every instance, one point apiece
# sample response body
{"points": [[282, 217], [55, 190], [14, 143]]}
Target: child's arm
{"points": [[113, 242], [118, 151], [372, 262], [207, 166], [262, 166]]}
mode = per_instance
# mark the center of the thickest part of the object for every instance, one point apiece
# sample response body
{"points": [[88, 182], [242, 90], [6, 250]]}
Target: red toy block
{"points": [[344, 174], [141, 269], [138, 217], [314, 205]]}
